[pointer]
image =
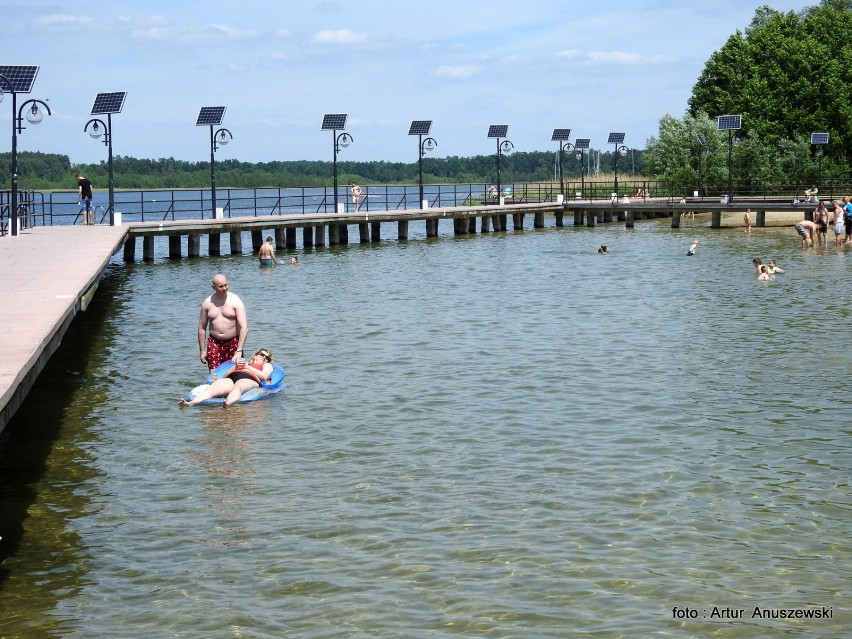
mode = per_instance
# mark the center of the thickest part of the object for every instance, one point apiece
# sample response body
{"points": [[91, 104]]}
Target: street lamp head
{"points": [[223, 138], [96, 131], [622, 150], [429, 144], [34, 114], [345, 140], [506, 146]]}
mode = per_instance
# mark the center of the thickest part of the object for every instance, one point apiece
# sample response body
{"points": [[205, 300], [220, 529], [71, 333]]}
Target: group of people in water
{"points": [[222, 331]]}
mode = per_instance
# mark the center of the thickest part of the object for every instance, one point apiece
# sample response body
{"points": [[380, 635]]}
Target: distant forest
{"points": [[49, 171]]}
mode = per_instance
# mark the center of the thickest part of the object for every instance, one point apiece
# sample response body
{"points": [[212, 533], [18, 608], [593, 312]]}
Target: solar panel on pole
{"points": [[334, 121], [582, 143], [420, 127], [560, 135], [615, 138], [108, 103], [498, 130], [20, 77], [210, 116], [819, 138], [729, 122]]}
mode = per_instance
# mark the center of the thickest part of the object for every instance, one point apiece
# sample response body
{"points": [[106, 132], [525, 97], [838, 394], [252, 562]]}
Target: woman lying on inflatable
{"points": [[235, 381]]}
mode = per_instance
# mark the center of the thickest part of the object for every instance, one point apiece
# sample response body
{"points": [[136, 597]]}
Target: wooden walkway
{"points": [[49, 273]]}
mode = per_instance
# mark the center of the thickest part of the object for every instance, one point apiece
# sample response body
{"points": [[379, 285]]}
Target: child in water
{"points": [[693, 247]]}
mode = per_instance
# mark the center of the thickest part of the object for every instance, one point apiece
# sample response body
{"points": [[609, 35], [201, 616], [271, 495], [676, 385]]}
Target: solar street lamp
{"points": [[106, 104], [335, 122], [562, 136], [701, 142], [421, 128], [620, 149], [499, 131], [15, 80], [212, 117], [819, 139], [581, 145], [729, 123]]}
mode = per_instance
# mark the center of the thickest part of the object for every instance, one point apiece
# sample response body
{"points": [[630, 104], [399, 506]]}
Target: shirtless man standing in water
{"points": [[222, 325]]}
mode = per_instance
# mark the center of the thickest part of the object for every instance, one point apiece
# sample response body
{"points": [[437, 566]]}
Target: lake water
{"points": [[501, 435]]}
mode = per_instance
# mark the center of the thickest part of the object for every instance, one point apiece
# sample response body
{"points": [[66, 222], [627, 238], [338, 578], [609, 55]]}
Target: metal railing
{"points": [[61, 208]]}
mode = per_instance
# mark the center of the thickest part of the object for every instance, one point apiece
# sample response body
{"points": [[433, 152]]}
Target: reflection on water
{"points": [[505, 435]]}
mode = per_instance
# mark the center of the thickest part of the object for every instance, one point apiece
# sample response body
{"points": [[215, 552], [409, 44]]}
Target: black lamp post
{"points": [[421, 128], [616, 139], [340, 142], [218, 138], [730, 123], [562, 136], [499, 131], [19, 80], [581, 145], [819, 139], [700, 139], [101, 128]]}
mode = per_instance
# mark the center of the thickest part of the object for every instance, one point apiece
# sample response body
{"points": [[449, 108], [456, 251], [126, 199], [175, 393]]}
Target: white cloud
{"points": [[455, 72], [340, 36], [613, 57], [63, 21]]}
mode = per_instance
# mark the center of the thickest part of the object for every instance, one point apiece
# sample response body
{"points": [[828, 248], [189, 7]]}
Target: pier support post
{"points": [[174, 247], [560, 217], [280, 240], [130, 250], [363, 232], [376, 231], [307, 236], [676, 219], [471, 225], [236, 242], [343, 234], [402, 229], [629, 219], [760, 221], [590, 218], [431, 228], [716, 219], [333, 234], [319, 235], [214, 244], [193, 245], [148, 248], [579, 214], [607, 215], [290, 238], [256, 240], [518, 221], [538, 220], [485, 224]]}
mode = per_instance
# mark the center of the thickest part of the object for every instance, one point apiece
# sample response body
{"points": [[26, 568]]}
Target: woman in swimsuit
{"points": [[247, 375]]}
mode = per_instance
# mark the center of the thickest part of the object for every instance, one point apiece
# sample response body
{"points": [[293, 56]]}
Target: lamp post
{"points": [[700, 139], [421, 128], [819, 139], [335, 122], [212, 117], [499, 131], [616, 139], [581, 145], [106, 104], [729, 123], [19, 79], [562, 136]]}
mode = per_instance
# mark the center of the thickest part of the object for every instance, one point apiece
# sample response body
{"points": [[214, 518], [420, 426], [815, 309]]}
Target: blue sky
{"points": [[278, 67]]}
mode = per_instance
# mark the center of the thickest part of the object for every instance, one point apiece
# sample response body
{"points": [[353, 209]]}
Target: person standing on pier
{"points": [[356, 194], [84, 198], [222, 325]]}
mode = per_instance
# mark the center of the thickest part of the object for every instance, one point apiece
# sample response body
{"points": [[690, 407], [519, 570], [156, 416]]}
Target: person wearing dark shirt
{"points": [[84, 197]]}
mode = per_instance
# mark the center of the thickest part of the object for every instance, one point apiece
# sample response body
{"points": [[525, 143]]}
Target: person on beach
{"points": [[693, 247], [222, 325], [747, 220], [84, 198], [839, 224], [266, 254], [807, 231], [821, 220], [245, 376]]}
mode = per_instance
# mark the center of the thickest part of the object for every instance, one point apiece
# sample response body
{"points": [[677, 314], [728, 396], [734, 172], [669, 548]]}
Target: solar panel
{"points": [[582, 143], [819, 138], [729, 122], [20, 77], [498, 130], [211, 116], [334, 121], [420, 127], [615, 138], [561, 134], [108, 102]]}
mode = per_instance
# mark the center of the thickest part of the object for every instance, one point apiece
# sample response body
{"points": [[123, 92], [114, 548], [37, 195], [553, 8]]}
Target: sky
{"points": [[279, 67]]}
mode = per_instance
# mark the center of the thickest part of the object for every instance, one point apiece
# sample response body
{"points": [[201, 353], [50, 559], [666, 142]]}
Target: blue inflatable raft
{"points": [[271, 386]]}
